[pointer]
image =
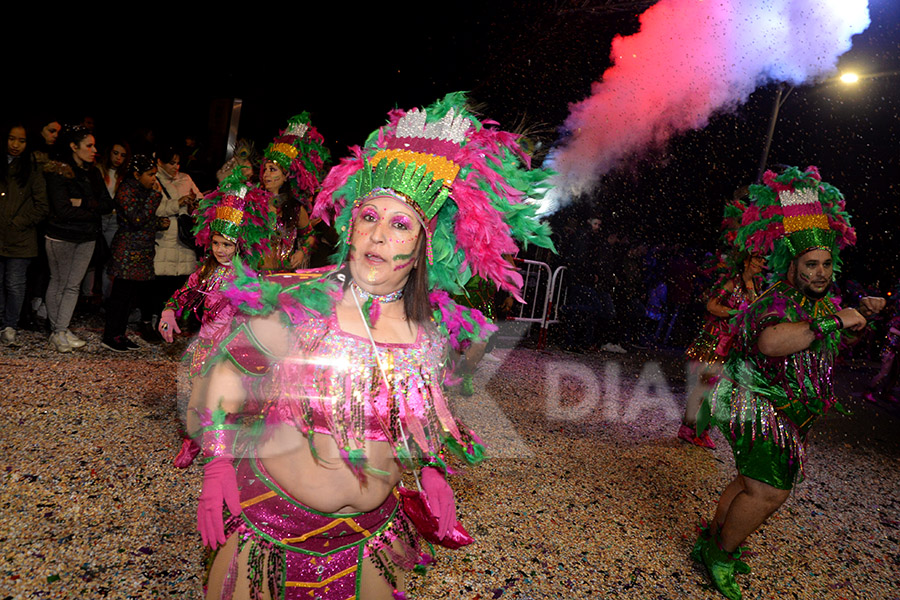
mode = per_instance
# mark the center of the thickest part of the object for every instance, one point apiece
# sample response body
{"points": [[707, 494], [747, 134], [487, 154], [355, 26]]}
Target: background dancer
{"points": [[778, 376], [233, 220], [737, 286], [291, 172], [881, 387]]}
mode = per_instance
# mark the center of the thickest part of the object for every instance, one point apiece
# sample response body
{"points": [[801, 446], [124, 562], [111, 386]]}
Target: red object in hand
{"points": [[186, 455], [433, 511]]}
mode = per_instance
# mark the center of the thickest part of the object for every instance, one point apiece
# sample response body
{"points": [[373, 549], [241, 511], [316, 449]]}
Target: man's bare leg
{"points": [[753, 503]]}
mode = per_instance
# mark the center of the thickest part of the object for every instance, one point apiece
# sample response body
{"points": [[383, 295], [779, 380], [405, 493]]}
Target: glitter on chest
{"points": [[333, 385]]}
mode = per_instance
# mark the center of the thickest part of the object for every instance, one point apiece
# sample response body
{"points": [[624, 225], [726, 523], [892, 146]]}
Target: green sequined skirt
{"points": [[767, 446]]}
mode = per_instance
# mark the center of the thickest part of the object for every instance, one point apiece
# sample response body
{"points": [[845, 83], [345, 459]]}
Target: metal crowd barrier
{"points": [[543, 294]]}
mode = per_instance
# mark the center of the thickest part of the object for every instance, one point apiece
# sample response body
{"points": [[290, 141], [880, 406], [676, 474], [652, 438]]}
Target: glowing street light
{"points": [[783, 91]]}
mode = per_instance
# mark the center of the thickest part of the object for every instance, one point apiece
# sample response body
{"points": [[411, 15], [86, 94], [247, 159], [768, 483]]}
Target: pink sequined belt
{"points": [[307, 554]]}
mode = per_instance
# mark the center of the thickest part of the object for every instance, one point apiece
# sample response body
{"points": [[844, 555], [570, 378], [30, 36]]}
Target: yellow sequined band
{"points": [[792, 224], [230, 214], [440, 167], [286, 149]]}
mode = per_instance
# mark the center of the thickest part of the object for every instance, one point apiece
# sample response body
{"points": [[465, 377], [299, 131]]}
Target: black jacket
{"points": [[75, 223]]}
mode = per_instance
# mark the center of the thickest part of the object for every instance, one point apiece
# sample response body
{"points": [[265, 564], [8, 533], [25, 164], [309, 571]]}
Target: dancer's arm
{"points": [[787, 338], [715, 306]]}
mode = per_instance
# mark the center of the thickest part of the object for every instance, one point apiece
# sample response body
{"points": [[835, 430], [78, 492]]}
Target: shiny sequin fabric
{"points": [[307, 554], [705, 347], [217, 313], [332, 384], [766, 405]]}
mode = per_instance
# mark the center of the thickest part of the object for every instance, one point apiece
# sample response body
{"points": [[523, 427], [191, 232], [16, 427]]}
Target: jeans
{"points": [[12, 289], [68, 264]]}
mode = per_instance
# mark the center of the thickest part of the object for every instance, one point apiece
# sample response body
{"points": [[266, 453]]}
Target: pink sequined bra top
{"points": [[331, 384]]}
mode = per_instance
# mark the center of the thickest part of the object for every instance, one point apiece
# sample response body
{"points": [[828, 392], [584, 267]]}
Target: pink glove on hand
{"points": [[168, 326], [219, 487], [439, 498]]}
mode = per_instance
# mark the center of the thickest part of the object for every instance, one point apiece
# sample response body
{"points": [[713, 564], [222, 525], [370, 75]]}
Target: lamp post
{"points": [[781, 93], [780, 98]]}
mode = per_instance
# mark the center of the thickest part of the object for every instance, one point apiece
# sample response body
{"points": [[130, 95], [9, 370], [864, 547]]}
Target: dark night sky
{"points": [[523, 61]]}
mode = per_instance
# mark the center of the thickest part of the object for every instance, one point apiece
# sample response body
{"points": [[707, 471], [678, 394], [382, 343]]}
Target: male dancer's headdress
{"points": [[790, 214]]}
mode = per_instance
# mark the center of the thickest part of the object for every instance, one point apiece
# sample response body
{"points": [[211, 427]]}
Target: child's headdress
{"points": [[468, 182], [239, 213]]}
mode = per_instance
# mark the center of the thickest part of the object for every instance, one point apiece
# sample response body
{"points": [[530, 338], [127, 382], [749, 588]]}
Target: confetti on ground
{"points": [[584, 496]]}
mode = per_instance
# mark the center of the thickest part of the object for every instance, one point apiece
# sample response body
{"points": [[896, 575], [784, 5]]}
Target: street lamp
{"points": [[784, 90]]}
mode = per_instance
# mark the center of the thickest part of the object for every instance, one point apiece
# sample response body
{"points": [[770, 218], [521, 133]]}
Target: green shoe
{"points": [[721, 566], [702, 541], [739, 565], [697, 550], [468, 385]]}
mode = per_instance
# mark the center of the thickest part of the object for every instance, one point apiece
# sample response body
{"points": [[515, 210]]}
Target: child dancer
{"points": [[234, 220]]}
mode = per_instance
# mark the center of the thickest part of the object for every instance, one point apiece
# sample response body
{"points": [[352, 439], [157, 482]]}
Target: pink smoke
{"points": [[691, 59]]}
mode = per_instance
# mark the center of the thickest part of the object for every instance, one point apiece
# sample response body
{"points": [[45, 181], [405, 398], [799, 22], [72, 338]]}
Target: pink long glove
{"points": [[439, 497], [168, 326], [219, 487]]}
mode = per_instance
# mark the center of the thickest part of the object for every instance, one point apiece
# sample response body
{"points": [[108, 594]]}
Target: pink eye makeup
{"points": [[369, 213], [402, 222]]}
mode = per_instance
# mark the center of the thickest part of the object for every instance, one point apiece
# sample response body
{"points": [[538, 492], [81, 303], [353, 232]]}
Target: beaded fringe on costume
{"points": [[295, 552], [744, 413]]}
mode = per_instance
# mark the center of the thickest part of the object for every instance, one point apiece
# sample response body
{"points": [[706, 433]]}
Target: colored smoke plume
{"points": [[690, 60]]}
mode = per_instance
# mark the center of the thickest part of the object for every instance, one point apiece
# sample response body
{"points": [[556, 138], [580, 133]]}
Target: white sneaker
{"points": [[60, 342], [8, 336], [74, 340], [613, 348]]}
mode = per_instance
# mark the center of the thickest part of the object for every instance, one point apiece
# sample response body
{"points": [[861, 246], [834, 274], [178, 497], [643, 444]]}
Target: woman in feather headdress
{"points": [[331, 390]]}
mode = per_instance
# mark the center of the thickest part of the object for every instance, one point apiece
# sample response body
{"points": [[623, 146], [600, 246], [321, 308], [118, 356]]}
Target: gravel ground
{"points": [[588, 493]]}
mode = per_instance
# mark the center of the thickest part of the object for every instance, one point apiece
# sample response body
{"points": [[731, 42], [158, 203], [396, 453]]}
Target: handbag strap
{"points": [[163, 188]]}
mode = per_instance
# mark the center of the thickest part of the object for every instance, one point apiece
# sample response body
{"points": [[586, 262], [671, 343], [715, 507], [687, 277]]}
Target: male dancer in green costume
{"points": [[778, 376]]}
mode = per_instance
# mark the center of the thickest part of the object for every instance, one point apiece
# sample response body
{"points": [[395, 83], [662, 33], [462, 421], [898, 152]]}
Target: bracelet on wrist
{"points": [[218, 441], [826, 325]]}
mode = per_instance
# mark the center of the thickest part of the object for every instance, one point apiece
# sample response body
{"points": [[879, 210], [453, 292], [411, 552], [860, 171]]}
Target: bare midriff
{"points": [[325, 482]]}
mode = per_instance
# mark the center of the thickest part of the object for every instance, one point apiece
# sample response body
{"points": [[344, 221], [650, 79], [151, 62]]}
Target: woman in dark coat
{"points": [[23, 204], [133, 250], [78, 197]]}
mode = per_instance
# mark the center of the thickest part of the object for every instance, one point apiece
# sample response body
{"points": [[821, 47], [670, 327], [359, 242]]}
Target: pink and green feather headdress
{"points": [[790, 214], [238, 212], [469, 182], [300, 151]]}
